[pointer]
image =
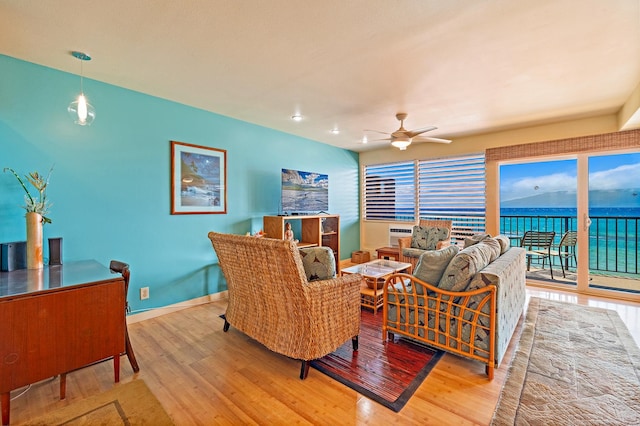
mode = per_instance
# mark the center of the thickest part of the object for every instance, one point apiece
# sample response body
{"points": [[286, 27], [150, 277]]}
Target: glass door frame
{"points": [[584, 222], [582, 201]]}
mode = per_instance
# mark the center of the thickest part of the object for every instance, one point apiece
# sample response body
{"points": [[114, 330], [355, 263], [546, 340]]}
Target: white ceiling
{"points": [[465, 66]]}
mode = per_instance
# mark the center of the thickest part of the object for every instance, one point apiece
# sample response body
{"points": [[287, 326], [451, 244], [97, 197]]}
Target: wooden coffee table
{"points": [[374, 274]]}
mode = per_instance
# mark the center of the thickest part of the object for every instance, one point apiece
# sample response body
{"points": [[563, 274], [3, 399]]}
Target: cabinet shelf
{"points": [[312, 231]]}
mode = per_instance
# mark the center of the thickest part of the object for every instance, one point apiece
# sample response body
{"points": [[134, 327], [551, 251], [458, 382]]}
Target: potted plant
{"points": [[37, 210]]}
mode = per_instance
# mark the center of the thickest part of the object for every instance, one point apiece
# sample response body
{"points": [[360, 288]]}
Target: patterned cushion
{"points": [[464, 266], [504, 241], [412, 252], [494, 245], [426, 237], [319, 263], [432, 264], [474, 239]]}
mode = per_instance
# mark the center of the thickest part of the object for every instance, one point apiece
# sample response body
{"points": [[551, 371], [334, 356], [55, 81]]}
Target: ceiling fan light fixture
{"points": [[401, 143]]}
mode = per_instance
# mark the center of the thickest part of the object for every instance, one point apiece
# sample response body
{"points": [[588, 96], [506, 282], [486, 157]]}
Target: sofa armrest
{"points": [[508, 274]]}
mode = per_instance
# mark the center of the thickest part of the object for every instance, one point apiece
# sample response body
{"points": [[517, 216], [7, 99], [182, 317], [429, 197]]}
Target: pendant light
{"points": [[81, 111]]}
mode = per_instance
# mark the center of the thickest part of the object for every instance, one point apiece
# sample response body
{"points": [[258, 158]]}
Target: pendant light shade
{"points": [[80, 110]]}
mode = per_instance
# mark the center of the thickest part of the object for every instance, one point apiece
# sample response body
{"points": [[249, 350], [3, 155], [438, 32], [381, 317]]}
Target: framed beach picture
{"points": [[198, 179]]}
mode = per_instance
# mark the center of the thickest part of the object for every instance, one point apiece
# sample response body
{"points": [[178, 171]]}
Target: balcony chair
{"points": [[566, 250], [427, 235], [538, 244]]}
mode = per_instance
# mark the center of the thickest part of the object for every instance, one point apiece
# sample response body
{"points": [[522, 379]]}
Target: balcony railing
{"points": [[613, 241]]}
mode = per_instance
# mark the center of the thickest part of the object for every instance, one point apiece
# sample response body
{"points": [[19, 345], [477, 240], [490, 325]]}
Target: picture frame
{"points": [[198, 179]]}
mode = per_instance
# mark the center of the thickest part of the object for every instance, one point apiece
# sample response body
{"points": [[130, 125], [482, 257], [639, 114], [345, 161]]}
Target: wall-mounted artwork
{"points": [[198, 179]]}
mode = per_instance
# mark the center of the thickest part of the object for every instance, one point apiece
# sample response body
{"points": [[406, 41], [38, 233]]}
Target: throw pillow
{"points": [[427, 237], [464, 266], [319, 263], [504, 241], [494, 247], [432, 264], [474, 239]]}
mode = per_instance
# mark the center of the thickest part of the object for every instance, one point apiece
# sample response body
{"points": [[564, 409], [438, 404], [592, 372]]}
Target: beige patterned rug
{"points": [[575, 365], [129, 404]]}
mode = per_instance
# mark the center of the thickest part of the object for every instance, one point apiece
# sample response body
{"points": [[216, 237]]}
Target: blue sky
{"points": [[605, 172]]}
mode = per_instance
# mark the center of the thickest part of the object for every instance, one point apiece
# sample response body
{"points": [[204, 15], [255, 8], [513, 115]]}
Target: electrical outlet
{"points": [[144, 293]]}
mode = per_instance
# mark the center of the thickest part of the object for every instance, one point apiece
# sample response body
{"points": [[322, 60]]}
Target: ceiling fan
{"points": [[402, 138]]}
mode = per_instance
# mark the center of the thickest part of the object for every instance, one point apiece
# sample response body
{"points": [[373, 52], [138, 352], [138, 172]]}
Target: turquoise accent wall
{"points": [[110, 186]]}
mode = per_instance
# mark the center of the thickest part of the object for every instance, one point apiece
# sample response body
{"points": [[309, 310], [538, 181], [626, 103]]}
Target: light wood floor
{"points": [[203, 376]]}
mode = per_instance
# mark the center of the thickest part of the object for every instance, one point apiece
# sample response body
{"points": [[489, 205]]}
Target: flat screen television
{"points": [[304, 192]]}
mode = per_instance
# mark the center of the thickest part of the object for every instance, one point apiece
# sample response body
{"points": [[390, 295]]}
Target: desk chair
{"points": [[538, 244], [566, 249], [123, 268]]}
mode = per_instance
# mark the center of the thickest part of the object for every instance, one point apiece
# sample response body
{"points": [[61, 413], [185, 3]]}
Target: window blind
{"points": [[454, 188], [389, 192]]}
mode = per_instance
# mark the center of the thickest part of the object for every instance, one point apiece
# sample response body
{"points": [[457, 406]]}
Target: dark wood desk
{"points": [[56, 320]]}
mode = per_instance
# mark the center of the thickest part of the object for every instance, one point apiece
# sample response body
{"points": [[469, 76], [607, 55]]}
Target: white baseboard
{"points": [[156, 312]]}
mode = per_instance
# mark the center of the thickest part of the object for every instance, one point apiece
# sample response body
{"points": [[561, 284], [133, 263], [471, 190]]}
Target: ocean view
{"points": [[613, 234]]}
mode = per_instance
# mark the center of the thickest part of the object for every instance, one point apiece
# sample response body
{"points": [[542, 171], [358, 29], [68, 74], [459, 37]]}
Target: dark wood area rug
{"points": [[575, 365], [388, 373]]}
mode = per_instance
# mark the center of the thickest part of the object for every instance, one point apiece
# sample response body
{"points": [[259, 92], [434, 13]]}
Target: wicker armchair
{"points": [[412, 254], [271, 300]]}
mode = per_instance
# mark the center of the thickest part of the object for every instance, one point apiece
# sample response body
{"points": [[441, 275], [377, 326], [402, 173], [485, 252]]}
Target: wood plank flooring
{"points": [[203, 376]]}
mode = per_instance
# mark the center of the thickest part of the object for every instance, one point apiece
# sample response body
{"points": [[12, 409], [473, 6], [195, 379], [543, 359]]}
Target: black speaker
{"points": [[13, 256], [55, 251]]}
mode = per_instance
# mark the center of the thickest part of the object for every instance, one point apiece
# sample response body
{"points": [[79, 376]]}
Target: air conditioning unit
{"points": [[398, 231]]}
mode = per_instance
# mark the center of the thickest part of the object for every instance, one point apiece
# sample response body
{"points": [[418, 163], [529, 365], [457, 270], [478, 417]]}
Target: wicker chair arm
{"points": [[444, 243], [334, 305], [404, 242], [345, 289]]}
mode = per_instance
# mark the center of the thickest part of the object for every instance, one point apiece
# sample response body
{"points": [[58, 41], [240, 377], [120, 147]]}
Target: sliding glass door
{"points": [[591, 203], [538, 210], [613, 221]]}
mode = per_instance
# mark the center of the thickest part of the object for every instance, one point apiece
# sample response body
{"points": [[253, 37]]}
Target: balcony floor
{"points": [[600, 280]]}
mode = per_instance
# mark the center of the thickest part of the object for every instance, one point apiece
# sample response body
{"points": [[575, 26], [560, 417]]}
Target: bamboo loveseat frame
{"points": [[477, 323]]}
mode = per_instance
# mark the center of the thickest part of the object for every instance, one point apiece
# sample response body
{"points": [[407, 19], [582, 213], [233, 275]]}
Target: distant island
{"points": [[629, 198]]}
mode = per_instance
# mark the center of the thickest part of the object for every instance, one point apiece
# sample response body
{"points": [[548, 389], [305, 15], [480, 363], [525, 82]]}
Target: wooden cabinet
{"points": [[55, 320], [316, 230]]}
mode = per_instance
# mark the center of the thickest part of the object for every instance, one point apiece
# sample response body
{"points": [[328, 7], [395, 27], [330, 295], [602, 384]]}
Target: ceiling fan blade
{"points": [[427, 139], [421, 130], [377, 131]]}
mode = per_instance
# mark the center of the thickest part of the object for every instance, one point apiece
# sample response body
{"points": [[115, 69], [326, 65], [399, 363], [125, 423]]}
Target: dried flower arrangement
{"points": [[40, 204]]}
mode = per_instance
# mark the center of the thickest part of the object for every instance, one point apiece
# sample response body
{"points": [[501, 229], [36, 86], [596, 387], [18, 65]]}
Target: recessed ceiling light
{"points": [[364, 139], [335, 131], [296, 117]]}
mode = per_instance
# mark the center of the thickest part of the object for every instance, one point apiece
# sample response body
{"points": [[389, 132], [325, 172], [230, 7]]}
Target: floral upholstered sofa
{"points": [[467, 302]]}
